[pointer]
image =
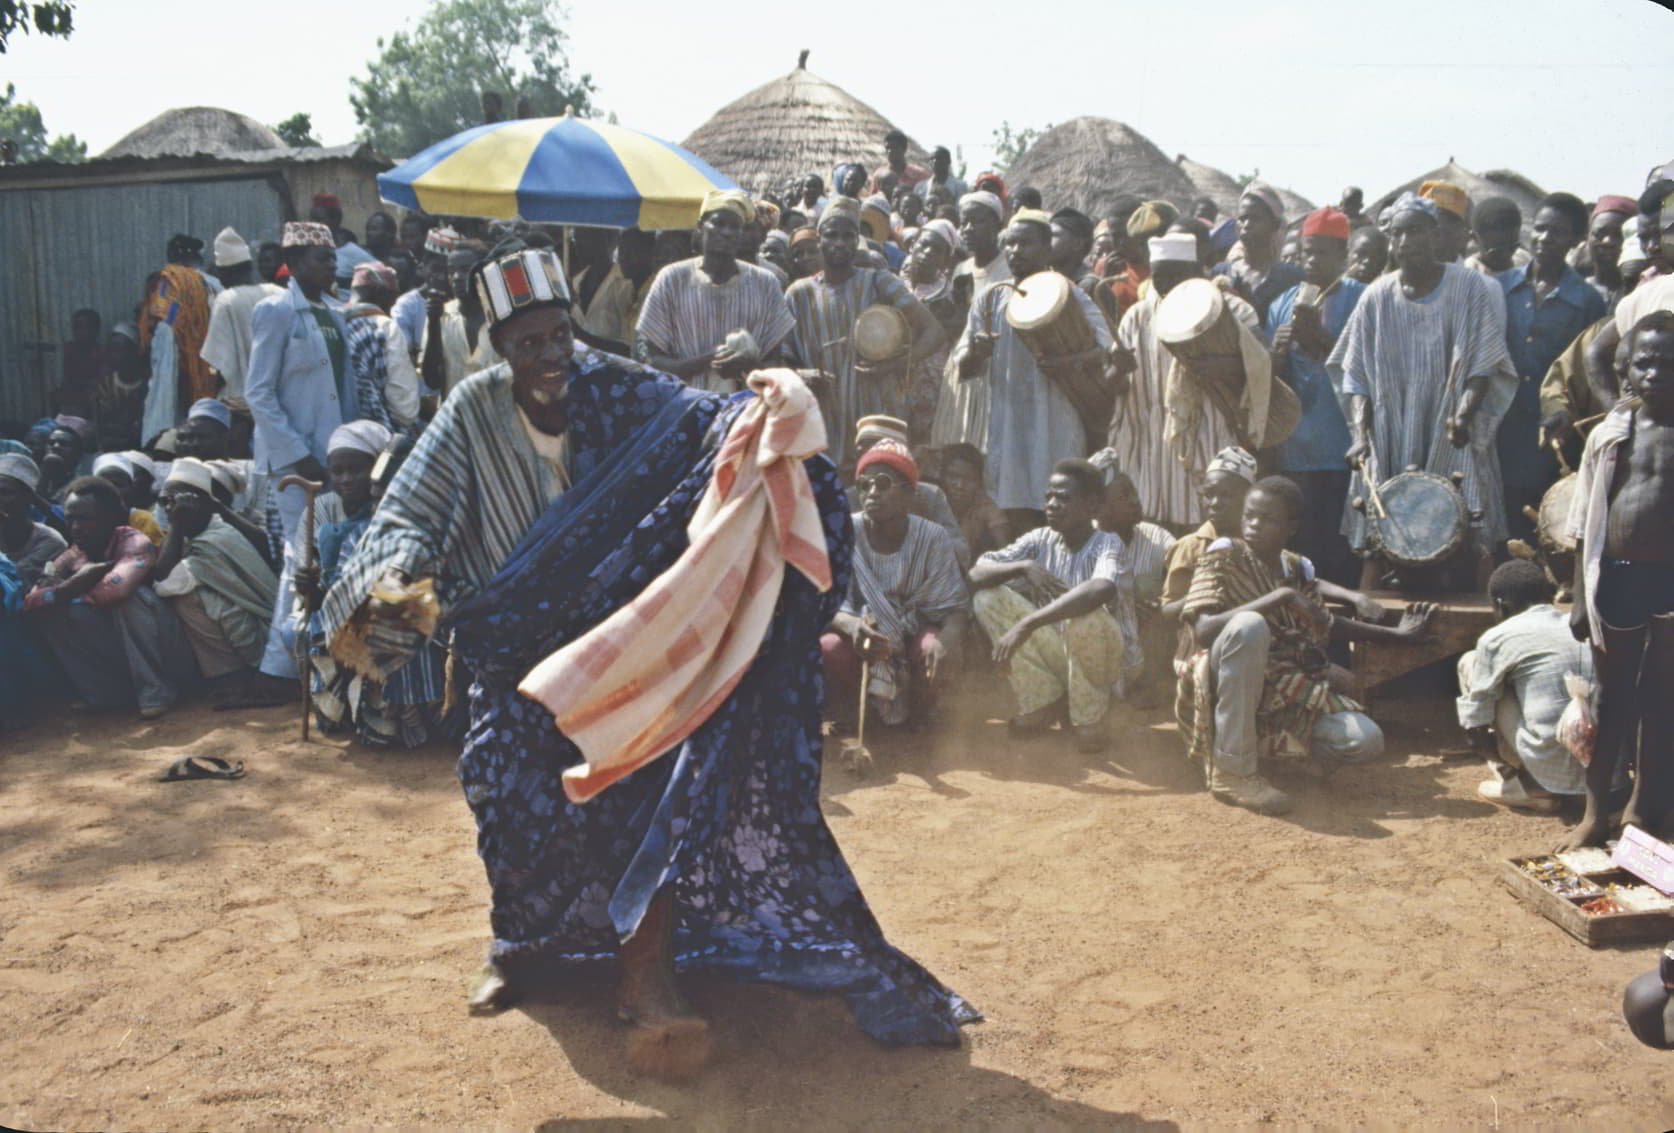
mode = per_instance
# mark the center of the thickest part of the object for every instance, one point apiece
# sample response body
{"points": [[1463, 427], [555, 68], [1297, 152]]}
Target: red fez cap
{"points": [[1612, 203], [1326, 221], [891, 453], [328, 201]]}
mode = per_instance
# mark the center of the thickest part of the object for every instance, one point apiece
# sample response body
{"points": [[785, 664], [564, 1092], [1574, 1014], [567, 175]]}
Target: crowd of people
{"points": [[358, 466]]}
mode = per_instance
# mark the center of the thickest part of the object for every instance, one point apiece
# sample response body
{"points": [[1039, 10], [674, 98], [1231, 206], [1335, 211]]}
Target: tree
{"points": [[427, 84], [1008, 146], [297, 130], [49, 17], [21, 123]]}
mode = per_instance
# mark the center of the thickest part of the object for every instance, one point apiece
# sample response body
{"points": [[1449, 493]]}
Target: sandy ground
{"points": [[293, 949]]}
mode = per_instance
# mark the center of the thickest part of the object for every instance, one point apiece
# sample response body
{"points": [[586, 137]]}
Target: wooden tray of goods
{"points": [[1591, 895]]}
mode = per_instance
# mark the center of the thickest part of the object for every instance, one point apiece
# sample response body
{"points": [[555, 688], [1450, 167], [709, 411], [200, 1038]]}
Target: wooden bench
{"points": [[1459, 621]]}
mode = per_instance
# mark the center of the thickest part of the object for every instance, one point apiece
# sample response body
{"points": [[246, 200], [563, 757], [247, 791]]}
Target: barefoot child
{"points": [[1624, 563]]}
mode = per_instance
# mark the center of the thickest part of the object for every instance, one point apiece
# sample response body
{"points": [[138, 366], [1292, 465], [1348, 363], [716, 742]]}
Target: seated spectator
{"points": [[217, 582], [118, 642], [1225, 483], [205, 433], [907, 607], [1144, 558], [1511, 692], [1259, 678], [29, 545], [66, 449], [981, 522], [929, 502], [119, 470], [1050, 602]]}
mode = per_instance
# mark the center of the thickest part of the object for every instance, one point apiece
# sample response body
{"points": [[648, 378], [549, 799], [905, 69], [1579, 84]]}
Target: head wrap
{"points": [[1447, 196], [803, 236], [944, 229], [1032, 216], [328, 200], [874, 214], [891, 453], [20, 468], [1412, 202], [229, 474], [837, 174], [375, 273], [181, 244], [80, 426], [519, 281], [211, 408], [230, 249], [735, 201], [1612, 203], [359, 436], [879, 427], [989, 177], [7, 445], [1268, 196], [841, 206], [441, 240], [768, 213], [1104, 228], [1152, 218], [306, 233], [142, 463], [1326, 221], [192, 473], [1173, 248], [1106, 461], [987, 200], [113, 460], [776, 236], [1235, 460]]}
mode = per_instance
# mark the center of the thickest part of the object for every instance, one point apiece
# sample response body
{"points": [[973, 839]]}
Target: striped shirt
{"points": [[1526, 657], [686, 314], [1167, 483], [918, 585], [1145, 558], [1411, 358], [825, 314], [1101, 556], [962, 410]]}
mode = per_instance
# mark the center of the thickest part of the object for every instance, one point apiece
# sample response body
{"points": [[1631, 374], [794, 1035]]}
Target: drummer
{"points": [[1426, 379], [825, 306], [1032, 424], [1168, 484], [1302, 335]]}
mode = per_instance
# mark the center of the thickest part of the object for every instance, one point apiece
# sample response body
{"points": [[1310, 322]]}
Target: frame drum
{"points": [[1427, 519], [880, 333]]}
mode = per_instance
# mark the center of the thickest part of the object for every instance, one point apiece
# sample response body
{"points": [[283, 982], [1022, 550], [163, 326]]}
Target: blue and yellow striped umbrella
{"points": [[565, 170]]}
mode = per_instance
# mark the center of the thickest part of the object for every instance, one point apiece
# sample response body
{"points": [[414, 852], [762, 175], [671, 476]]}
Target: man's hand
{"points": [[1557, 426], [306, 580], [1011, 641], [734, 366], [1359, 451], [870, 644], [310, 469], [1458, 431], [934, 654], [1122, 360], [434, 301], [979, 348], [1579, 627], [1415, 622]]}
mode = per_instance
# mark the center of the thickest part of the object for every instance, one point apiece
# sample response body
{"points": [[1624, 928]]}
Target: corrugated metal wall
{"points": [[63, 249]]}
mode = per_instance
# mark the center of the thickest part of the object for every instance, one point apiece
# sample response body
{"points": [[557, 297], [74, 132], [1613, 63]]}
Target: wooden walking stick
{"points": [[310, 488]]}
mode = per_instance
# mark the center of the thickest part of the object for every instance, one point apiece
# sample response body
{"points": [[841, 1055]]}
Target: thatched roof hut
{"points": [[795, 125], [191, 130], [1087, 163], [1296, 205], [1207, 181], [1496, 183]]}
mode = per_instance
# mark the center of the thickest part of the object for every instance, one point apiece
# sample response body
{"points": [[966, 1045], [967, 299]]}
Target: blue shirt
{"points": [[1535, 334], [1321, 439], [409, 314]]}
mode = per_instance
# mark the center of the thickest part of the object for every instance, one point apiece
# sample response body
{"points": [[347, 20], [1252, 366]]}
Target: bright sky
{"points": [[1313, 94]]}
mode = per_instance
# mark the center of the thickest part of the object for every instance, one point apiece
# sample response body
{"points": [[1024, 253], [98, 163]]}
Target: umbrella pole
{"points": [[569, 234]]}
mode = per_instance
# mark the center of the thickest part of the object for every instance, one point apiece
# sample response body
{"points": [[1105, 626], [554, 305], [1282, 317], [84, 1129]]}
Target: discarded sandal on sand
{"points": [[202, 767]]}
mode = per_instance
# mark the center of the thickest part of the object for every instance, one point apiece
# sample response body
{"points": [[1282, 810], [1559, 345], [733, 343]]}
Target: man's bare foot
{"points": [[669, 1040], [1590, 831], [491, 991]]}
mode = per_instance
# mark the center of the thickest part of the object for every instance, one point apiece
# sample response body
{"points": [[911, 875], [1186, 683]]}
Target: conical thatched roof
{"points": [[795, 125], [1087, 163], [1207, 181], [1296, 205], [1497, 183], [189, 130]]}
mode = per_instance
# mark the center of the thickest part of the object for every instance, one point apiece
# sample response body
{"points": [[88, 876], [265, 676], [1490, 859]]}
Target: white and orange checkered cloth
{"points": [[649, 675]]}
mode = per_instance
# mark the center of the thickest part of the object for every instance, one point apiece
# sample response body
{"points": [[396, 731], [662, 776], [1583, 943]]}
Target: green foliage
{"points": [[48, 17], [21, 122], [297, 130], [1009, 146], [426, 84]]}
